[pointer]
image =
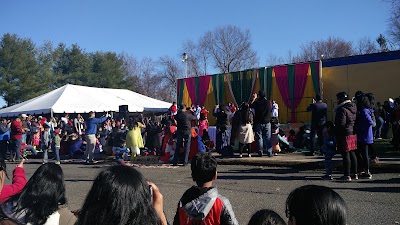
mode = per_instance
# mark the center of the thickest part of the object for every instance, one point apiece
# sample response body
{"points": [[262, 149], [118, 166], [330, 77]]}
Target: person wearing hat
{"points": [[91, 129], [183, 132]]}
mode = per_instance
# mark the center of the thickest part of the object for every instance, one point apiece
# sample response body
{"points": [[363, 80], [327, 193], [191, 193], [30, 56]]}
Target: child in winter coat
{"points": [[329, 148], [121, 153]]}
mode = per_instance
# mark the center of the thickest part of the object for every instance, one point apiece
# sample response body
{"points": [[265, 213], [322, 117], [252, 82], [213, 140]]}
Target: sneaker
{"points": [[327, 177], [354, 177], [275, 154], [249, 156], [345, 178], [240, 156], [58, 162], [366, 176]]}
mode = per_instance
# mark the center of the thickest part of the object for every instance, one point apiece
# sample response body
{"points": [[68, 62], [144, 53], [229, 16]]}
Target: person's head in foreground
{"points": [[204, 169], [120, 195], [317, 205], [266, 217], [41, 197]]}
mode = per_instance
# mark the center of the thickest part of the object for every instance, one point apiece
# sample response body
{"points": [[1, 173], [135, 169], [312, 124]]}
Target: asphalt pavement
{"points": [[250, 188]]}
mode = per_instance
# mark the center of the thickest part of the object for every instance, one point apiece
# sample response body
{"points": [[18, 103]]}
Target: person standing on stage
{"points": [[318, 119], [91, 129], [262, 122]]}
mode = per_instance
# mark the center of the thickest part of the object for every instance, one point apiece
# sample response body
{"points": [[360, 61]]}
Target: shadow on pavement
{"points": [[263, 174], [375, 189]]}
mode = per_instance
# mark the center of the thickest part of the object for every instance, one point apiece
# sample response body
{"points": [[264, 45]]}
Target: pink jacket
{"points": [[18, 183]]}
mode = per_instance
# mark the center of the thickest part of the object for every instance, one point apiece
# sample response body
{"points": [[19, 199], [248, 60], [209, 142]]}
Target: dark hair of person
{"points": [[318, 205], [261, 94], [245, 113], [42, 195], [371, 99], [318, 97], [363, 103], [342, 96], [292, 132], [266, 217], [204, 168], [119, 195], [3, 167]]}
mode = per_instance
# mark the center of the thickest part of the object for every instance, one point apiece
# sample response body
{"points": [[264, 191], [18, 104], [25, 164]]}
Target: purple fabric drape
{"points": [[300, 80], [191, 87], [281, 75], [203, 88]]}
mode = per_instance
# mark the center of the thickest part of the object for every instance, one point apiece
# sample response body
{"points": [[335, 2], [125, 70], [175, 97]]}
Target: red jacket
{"points": [[18, 183], [16, 130]]}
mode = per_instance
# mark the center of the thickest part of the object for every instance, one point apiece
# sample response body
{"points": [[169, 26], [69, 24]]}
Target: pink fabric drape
{"points": [[203, 89], [300, 80], [281, 75], [191, 87]]}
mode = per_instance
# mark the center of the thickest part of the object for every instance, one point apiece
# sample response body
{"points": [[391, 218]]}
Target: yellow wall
{"points": [[380, 78]]}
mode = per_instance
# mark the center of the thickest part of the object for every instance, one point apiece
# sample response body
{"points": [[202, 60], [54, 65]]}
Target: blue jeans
{"points": [[379, 125], [182, 140], [15, 148], [263, 137], [328, 162]]}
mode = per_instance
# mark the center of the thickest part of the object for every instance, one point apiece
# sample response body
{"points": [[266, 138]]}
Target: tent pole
{"points": [[51, 113]]}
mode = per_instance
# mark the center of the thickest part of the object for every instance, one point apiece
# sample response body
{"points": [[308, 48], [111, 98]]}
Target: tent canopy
{"points": [[81, 99]]}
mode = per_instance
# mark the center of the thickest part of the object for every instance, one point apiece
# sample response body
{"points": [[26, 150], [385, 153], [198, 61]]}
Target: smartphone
{"points": [[151, 192]]}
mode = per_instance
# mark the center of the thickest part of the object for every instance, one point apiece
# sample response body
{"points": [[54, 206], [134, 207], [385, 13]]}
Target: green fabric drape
{"points": [[315, 76], [247, 85], [261, 77], [180, 91], [269, 82], [291, 80], [218, 87]]}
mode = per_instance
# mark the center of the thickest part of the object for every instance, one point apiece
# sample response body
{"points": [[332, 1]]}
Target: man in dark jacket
{"points": [[318, 119], [345, 118], [221, 114], [202, 204], [262, 122], [183, 133]]}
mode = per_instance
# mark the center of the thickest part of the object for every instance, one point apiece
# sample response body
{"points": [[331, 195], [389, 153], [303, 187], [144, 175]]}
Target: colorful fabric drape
{"points": [[191, 87], [248, 80], [315, 74], [300, 80], [234, 81], [281, 75], [218, 86], [203, 87], [262, 78], [180, 87], [269, 82]]}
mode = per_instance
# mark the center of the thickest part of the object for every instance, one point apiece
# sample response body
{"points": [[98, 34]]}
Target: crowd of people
{"points": [[121, 195]]}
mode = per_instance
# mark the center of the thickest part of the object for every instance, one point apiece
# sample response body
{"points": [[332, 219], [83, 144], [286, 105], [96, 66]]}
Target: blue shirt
{"points": [[119, 151], [91, 124]]}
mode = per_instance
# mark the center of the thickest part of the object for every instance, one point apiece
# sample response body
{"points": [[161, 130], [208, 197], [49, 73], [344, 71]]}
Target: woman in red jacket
{"points": [[18, 181]]}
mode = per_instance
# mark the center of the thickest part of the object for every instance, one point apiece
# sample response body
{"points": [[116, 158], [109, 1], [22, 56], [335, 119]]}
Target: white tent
{"points": [[81, 99]]}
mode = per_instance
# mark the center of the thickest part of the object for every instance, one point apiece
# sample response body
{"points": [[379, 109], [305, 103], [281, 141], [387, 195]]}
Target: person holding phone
{"points": [[18, 181], [91, 129]]}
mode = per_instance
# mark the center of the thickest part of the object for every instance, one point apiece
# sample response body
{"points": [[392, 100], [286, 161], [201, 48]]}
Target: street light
{"points": [[184, 60]]}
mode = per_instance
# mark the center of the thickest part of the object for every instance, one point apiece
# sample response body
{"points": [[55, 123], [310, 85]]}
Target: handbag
{"points": [[351, 143]]}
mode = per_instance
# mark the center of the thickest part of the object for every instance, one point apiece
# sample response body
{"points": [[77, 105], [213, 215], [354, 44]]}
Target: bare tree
{"points": [[230, 48], [170, 70], [194, 58], [273, 60], [365, 46], [382, 42], [394, 22], [333, 47]]}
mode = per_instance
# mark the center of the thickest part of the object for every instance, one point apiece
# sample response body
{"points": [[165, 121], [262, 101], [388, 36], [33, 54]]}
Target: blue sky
{"points": [[154, 28]]}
